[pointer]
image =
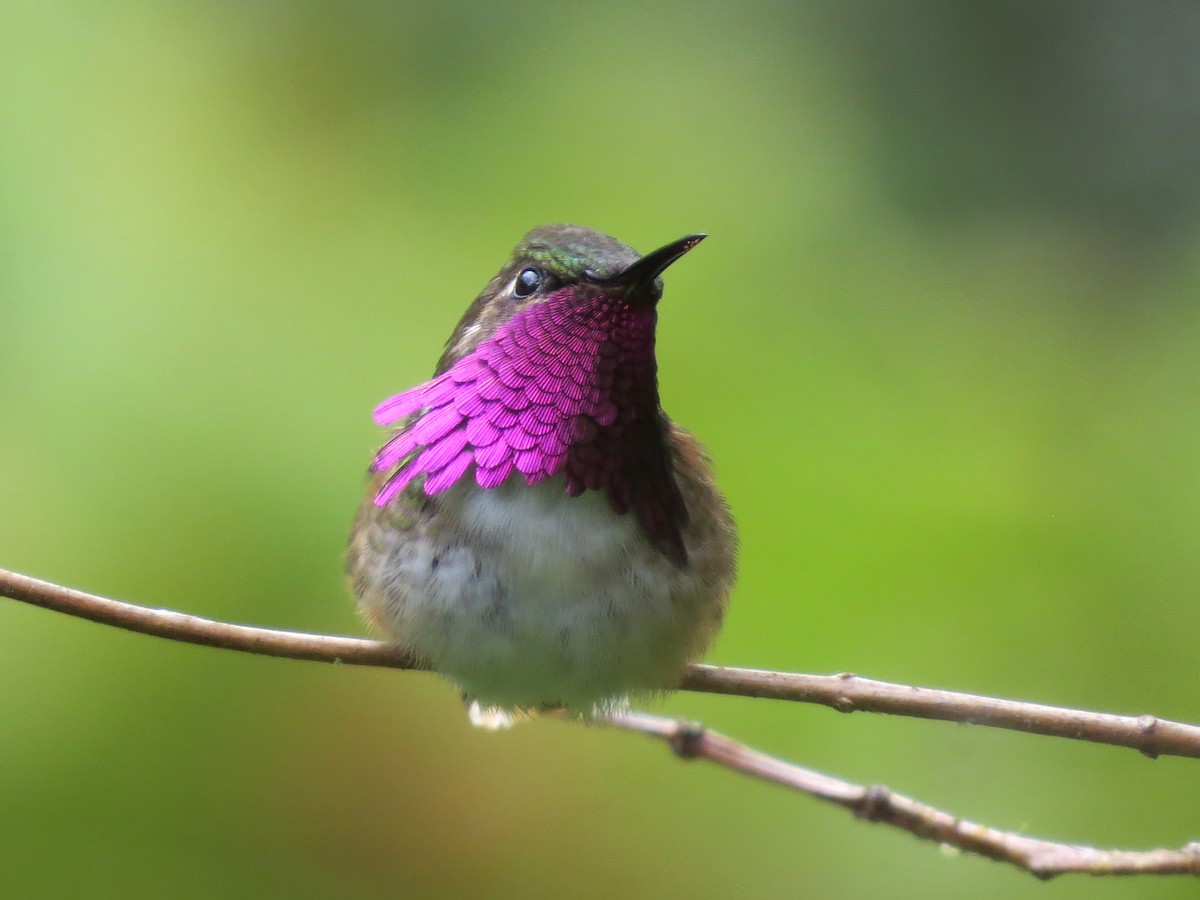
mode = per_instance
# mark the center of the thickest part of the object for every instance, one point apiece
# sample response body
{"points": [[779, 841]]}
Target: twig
{"points": [[849, 693], [1044, 859], [176, 626], [845, 693]]}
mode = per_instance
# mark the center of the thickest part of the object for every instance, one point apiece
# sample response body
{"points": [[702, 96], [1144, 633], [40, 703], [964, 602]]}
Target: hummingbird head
{"points": [[575, 264], [551, 372]]}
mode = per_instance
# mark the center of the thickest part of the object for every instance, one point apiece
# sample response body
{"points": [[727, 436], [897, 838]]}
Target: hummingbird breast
{"points": [[567, 386], [529, 597]]}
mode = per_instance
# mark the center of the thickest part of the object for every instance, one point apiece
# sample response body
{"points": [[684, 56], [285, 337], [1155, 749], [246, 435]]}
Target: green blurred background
{"points": [[942, 344]]}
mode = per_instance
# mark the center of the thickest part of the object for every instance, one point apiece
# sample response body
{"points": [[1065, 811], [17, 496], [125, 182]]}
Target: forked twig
{"points": [[1044, 859], [846, 693]]}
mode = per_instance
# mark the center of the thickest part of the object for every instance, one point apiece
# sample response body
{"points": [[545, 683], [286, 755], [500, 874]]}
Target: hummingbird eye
{"points": [[528, 282]]}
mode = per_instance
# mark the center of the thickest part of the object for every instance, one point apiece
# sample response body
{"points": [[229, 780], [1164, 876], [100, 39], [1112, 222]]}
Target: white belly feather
{"points": [[528, 597]]}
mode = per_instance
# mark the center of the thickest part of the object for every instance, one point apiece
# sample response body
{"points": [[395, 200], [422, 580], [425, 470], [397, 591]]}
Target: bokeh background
{"points": [[942, 344]]}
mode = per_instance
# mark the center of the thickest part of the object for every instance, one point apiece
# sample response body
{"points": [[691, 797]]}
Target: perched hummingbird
{"points": [[537, 529]]}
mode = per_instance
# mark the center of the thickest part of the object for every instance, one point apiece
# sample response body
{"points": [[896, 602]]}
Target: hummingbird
{"points": [[536, 528]]}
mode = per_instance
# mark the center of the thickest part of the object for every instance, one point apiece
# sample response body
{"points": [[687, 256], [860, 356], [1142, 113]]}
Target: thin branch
{"points": [[1044, 859], [845, 693], [176, 626]]}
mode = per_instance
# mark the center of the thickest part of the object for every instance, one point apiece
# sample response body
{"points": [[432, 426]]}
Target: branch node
{"points": [[1148, 725], [688, 739], [843, 704], [875, 805], [1042, 872]]}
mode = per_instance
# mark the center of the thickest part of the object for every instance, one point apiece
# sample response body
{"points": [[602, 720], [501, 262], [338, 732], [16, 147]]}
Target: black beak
{"points": [[640, 276]]}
